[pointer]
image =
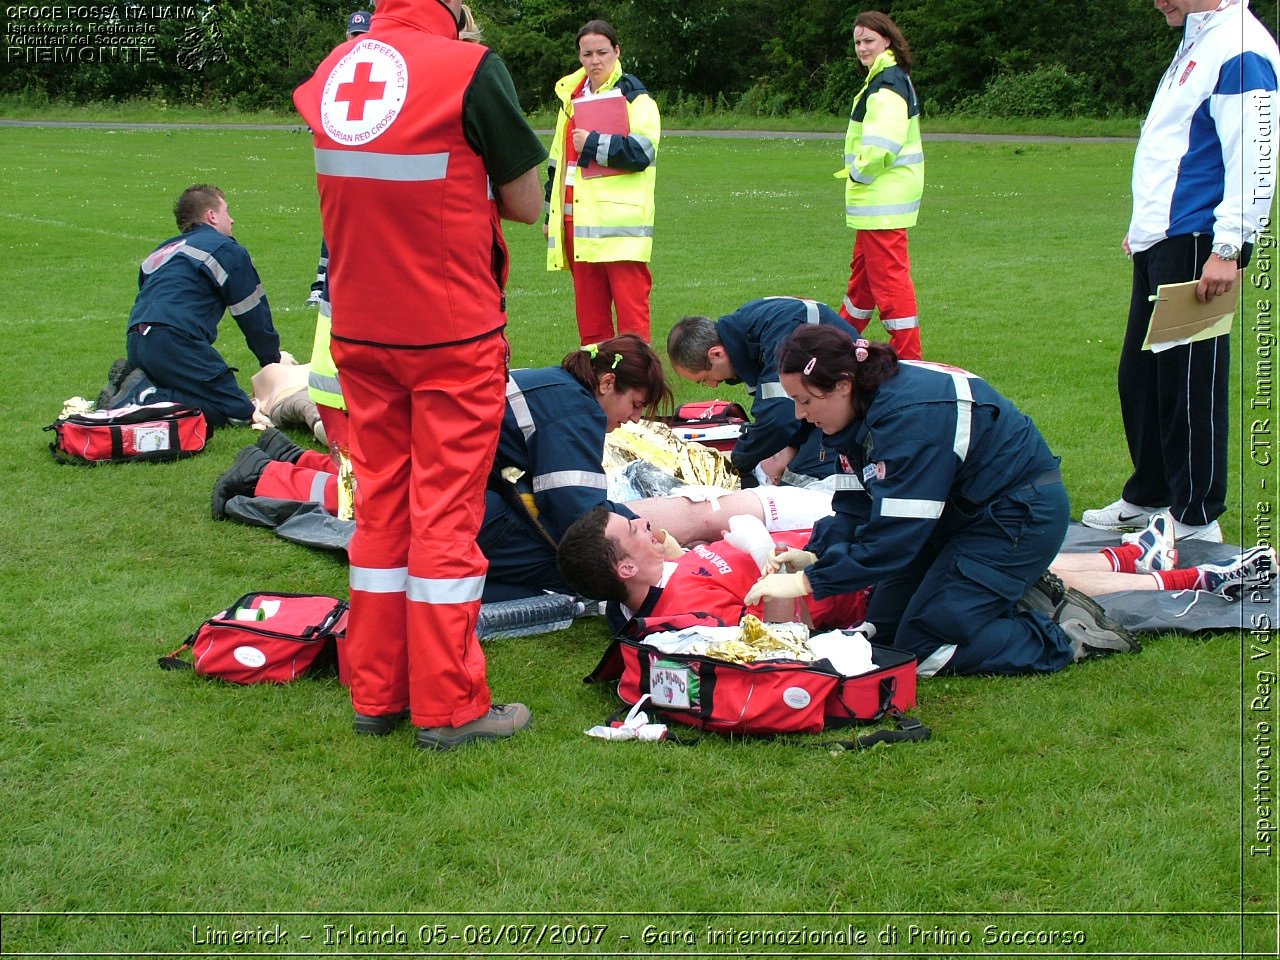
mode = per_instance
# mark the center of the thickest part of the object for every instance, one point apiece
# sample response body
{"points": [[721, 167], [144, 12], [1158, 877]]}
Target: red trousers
{"points": [[311, 480], [880, 276], [601, 288], [336, 426], [424, 428]]}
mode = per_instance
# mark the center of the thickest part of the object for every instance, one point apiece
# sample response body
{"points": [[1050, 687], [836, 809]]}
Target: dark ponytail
{"points": [[633, 364], [825, 355]]}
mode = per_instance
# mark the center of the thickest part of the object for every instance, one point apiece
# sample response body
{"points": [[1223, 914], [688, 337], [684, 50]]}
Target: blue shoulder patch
{"points": [[1244, 73]]}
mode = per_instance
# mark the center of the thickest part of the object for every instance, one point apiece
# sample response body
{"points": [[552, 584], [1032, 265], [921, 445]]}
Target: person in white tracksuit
{"points": [[1203, 181]]}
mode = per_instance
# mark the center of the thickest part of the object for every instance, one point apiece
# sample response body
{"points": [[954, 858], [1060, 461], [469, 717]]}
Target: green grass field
{"points": [[1117, 799]]}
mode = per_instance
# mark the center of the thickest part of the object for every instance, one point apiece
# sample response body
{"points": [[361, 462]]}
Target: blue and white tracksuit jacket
{"points": [[752, 336], [190, 280], [949, 499], [1206, 159], [553, 433]]}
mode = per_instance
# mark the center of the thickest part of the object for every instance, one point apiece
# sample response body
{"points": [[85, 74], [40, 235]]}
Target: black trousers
{"points": [[1175, 403]]}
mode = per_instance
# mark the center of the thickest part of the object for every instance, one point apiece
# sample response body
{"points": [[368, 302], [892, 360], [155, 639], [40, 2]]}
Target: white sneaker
{"points": [[314, 299], [1187, 531], [1121, 515], [1159, 546], [1228, 579]]}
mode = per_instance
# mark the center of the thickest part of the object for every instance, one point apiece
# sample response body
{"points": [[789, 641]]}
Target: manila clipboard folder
{"points": [[1179, 318], [606, 113]]}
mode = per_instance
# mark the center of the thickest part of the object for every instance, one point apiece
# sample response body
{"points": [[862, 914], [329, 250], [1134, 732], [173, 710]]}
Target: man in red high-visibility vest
{"points": [[421, 148]]}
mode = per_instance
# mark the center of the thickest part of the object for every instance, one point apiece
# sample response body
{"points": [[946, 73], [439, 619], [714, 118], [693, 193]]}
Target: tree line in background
{"points": [[998, 58]]}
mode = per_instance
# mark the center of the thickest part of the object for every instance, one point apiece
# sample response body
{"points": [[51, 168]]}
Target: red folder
{"points": [[603, 114]]}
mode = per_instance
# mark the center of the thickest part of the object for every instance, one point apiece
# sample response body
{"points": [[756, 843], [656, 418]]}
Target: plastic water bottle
{"points": [[522, 618]]}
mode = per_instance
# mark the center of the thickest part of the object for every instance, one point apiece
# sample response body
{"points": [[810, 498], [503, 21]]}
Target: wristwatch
{"points": [[1226, 251]]}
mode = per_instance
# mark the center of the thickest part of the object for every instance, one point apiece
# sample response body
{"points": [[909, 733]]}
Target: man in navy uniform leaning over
{"points": [[184, 287]]}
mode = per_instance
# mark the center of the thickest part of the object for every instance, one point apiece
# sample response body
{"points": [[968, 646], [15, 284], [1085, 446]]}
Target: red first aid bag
{"points": [[713, 423], [154, 431], [266, 638], [768, 697]]}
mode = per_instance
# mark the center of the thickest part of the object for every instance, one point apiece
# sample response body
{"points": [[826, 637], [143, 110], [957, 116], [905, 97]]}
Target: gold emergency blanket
{"points": [[690, 463], [761, 641]]}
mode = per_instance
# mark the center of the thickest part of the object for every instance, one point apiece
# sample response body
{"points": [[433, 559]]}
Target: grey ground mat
{"points": [[1187, 611]]}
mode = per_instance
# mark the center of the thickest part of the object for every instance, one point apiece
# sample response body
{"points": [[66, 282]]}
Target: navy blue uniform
{"points": [[553, 431], [951, 503], [752, 336], [184, 287]]}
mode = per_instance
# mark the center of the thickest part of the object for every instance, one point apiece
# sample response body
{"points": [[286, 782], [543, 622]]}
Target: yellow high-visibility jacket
{"points": [[612, 216], [883, 151], [322, 381]]}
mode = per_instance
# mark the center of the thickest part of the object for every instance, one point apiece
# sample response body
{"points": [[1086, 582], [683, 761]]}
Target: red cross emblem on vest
{"points": [[360, 90]]}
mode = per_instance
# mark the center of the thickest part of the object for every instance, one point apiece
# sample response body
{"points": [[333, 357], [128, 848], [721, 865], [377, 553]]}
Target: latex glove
{"points": [[778, 586], [775, 466], [671, 548], [793, 557], [287, 357], [841, 174]]}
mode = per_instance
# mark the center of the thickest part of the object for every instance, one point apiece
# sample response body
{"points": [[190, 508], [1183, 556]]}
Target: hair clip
{"points": [[808, 367], [591, 348], [860, 349], [617, 359]]}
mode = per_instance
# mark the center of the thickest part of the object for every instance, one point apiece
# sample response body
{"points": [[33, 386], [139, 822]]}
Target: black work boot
{"points": [[241, 480]]}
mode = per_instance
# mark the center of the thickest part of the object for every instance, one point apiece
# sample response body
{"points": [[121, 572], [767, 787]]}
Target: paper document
{"points": [[1179, 318], [606, 113]]}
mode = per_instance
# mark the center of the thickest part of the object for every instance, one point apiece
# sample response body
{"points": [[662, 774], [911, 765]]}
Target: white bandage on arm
{"points": [[701, 494], [792, 508]]}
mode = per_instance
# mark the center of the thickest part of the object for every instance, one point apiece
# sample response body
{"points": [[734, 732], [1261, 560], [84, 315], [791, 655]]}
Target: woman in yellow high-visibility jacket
{"points": [[600, 221], [884, 180]]}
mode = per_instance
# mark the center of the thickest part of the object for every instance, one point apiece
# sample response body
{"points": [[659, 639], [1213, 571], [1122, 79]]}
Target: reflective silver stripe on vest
{"points": [[857, 176], [856, 312], [901, 323], [884, 142], [907, 159], [326, 308], [883, 210], [964, 415], [317, 486], [323, 383], [810, 307], [248, 303], [461, 590], [936, 660], [964, 404], [600, 233], [209, 260], [379, 579], [645, 144], [772, 390], [567, 210], [569, 478], [911, 509], [382, 166], [846, 481], [520, 409]]}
